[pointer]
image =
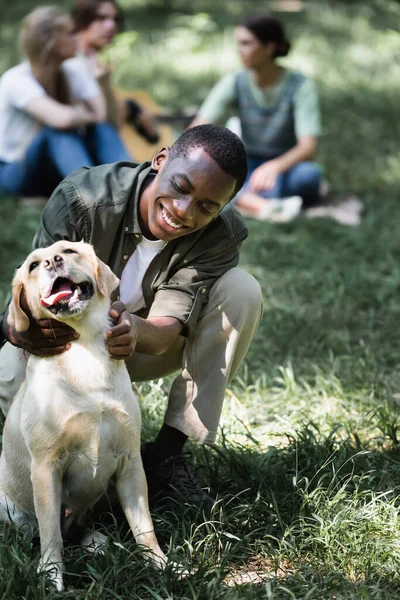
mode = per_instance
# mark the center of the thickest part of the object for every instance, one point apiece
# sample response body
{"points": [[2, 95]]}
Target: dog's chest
{"points": [[89, 370], [89, 427], [91, 450]]}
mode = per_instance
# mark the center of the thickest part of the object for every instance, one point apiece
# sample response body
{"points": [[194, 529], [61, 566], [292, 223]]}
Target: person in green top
{"points": [[279, 116], [168, 230]]}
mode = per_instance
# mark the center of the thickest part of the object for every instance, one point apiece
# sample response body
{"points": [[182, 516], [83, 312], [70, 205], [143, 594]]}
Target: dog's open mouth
{"points": [[64, 294]]}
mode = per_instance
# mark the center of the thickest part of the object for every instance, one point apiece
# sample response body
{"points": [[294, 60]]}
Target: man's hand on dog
{"points": [[46, 337], [121, 339]]}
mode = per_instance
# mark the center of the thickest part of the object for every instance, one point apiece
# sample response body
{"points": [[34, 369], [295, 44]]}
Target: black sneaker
{"points": [[171, 482]]}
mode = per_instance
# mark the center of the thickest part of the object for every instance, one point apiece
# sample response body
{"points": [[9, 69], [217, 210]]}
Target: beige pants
{"points": [[205, 362]]}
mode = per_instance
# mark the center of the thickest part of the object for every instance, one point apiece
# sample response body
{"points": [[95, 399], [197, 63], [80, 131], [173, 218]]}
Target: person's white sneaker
{"points": [[346, 212], [282, 210]]}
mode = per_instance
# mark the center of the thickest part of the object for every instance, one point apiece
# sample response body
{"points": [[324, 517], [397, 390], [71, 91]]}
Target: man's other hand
{"points": [[122, 337]]}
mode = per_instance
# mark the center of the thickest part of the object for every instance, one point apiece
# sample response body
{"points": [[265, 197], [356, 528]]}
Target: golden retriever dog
{"points": [[75, 423]]}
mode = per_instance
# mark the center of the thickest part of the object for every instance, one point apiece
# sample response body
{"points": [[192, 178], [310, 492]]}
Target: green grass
{"points": [[307, 466]]}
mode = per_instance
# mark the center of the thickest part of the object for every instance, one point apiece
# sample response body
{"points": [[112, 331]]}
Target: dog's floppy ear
{"points": [[16, 316], [105, 278]]}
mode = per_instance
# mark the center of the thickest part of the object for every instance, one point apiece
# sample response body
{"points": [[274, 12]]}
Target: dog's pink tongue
{"points": [[51, 300]]}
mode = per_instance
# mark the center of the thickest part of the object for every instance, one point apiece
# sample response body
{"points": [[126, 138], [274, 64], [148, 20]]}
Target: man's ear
{"points": [[160, 158], [16, 316], [105, 278]]}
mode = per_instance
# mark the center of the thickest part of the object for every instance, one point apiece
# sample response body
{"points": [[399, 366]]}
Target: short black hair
{"points": [[224, 146]]}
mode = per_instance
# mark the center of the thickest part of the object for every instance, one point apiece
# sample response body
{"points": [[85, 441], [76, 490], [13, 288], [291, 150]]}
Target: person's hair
{"points": [[39, 33], [268, 29], [38, 37], [224, 146], [84, 12]]}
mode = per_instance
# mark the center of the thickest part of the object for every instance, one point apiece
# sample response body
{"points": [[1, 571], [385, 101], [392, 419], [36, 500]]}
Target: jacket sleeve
{"points": [[63, 218], [186, 292]]}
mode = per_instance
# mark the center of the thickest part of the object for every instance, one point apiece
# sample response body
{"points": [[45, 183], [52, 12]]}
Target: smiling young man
{"points": [[168, 231]]}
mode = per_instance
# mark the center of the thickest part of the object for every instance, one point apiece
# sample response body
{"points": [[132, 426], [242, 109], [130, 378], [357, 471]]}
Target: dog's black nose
{"points": [[51, 263]]}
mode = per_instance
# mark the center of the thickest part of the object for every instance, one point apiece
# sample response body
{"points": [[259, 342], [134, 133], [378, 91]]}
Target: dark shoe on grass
{"points": [[171, 483]]}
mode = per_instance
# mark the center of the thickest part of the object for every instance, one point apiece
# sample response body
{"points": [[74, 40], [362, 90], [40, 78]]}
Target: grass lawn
{"points": [[307, 467]]}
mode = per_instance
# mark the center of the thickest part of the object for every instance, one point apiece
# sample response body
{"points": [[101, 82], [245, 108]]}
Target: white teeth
{"points": [[169, 220], [77, 292]]}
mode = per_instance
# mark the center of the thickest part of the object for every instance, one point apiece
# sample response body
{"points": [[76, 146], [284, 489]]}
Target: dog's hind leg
{"points": [[12, 515], [47, 489], [132, 492]]}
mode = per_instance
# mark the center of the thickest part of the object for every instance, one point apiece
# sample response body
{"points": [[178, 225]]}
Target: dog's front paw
{"points": [[160, 561], [178, 570], [155, 557], [53, 572]]}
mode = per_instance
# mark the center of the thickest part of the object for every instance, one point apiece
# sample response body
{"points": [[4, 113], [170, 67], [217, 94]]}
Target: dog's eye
{"points": [[70, 251], [33, 265]]}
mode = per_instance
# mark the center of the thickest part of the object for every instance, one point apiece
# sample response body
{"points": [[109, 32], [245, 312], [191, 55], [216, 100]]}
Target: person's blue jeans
{"points": [[55, 153], [304, 179]]}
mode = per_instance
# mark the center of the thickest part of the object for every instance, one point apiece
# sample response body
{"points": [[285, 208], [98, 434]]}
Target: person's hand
{"points": [[102, 72], [83, 115], [99, 70], [122, 337], [46, 337], [264, 177]]}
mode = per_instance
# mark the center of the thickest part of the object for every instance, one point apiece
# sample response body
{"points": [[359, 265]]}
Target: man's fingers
{"points": [[54, 335], [51, 342], [54, 326], [46, 352], [121, 352], [57, 331], [119, 329], [117, 308], [121, 340]]}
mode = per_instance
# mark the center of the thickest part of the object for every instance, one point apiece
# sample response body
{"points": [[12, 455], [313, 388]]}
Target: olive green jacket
{"points": [[100, 206]]}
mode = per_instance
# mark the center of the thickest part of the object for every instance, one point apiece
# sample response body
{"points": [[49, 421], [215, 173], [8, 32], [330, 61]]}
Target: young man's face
{"points": [[185, 196]]}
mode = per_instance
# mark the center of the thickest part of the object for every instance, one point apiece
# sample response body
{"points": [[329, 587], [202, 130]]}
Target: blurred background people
{"points": [[96, 22], [279, 119], [52, 114]]}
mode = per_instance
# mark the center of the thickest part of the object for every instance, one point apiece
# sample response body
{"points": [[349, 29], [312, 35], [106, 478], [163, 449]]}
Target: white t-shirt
{"points": [[130, 287], [18, 87]]}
